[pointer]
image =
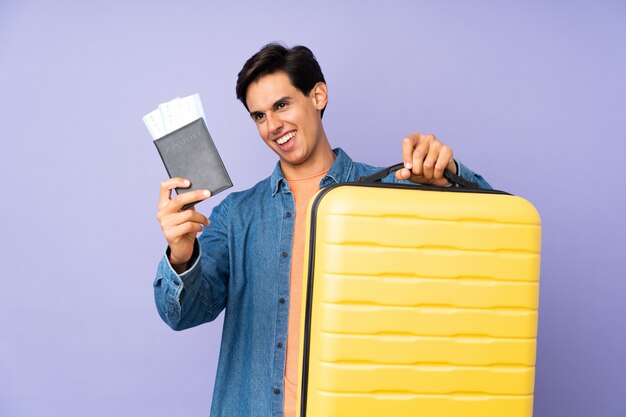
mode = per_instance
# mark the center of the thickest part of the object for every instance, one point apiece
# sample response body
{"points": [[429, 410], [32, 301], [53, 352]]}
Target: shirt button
{"points": [[276, 391], [281, 300], [279, 345], [288, 214], [284, 254]]}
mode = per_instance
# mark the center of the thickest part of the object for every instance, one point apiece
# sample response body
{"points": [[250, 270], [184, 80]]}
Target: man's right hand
{"points": [[179, 226]]}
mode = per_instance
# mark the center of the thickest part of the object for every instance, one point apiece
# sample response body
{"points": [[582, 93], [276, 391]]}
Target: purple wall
{"points": [[532, 96]]}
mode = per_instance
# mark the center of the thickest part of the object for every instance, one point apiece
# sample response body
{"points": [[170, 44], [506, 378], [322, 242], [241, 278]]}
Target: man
{"points": [[249, 258]]}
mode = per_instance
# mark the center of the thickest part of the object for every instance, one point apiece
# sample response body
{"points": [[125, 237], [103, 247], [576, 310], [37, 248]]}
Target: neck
{"points": [[320, 160]]}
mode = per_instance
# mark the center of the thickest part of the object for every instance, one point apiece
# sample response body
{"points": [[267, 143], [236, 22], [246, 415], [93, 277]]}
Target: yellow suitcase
{"points": [[419, 301]]}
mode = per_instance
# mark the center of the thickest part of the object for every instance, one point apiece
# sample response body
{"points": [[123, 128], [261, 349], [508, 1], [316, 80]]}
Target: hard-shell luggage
{"points": [[419, 301]]}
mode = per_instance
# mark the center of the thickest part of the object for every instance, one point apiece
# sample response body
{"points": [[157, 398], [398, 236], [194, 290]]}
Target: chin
{"points": [[293, 161], [295, 156]]}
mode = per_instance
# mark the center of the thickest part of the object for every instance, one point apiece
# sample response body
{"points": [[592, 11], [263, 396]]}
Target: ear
{"points": [[319, 95]]}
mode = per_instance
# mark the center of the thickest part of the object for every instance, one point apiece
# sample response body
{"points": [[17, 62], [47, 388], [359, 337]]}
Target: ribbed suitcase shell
{"points": [[419, 303]]}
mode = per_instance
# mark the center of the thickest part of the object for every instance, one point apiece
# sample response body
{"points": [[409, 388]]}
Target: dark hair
{"points": [[298, 63]]}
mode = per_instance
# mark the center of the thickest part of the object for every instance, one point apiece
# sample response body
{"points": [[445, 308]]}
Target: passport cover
{"points": [[189, 152]]}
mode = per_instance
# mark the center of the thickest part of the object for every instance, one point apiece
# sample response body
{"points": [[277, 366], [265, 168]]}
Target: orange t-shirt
{"points": [[303, 190]]}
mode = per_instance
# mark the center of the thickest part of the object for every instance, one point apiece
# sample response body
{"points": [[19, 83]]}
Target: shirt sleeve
{"points": [[199, 294], [467, 174]]}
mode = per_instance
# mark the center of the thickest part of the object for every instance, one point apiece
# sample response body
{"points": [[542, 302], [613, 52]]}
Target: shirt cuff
{"points": [[193, 261]]}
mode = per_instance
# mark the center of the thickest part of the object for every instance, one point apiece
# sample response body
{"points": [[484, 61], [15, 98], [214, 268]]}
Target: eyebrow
{"points": [[285, 98]]}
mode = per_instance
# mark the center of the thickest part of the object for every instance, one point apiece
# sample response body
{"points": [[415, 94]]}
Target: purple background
{"points": [[531, 95]]}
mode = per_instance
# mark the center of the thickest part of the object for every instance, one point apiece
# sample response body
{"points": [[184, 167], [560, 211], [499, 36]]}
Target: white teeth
{"points": [[285, 138]]}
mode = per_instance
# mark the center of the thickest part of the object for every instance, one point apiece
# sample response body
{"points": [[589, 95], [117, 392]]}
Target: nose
{"points": [[274, 124]]}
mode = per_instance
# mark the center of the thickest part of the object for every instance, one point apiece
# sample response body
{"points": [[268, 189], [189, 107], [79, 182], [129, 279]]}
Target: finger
{"points": [[177, 203], [420, 152], [408, 145], [178, 218], [419, 180], [430, 160], [166, 189], [445, 156], [175, 234]]}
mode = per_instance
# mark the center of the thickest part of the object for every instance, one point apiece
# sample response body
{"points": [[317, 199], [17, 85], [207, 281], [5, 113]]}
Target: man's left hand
{"points": [[425, 159]]}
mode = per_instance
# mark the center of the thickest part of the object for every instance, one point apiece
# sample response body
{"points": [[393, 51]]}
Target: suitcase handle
{"points": [[452, 178]]}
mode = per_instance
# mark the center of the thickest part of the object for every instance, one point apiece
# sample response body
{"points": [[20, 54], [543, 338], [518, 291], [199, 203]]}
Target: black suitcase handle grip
{"points": [[452, 178]]}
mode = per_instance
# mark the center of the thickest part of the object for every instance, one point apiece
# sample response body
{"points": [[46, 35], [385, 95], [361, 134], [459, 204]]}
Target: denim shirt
{"points": [[241, 263]]}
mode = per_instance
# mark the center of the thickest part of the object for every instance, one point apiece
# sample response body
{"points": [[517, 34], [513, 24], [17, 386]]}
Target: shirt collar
{"points": [[338, 172]]}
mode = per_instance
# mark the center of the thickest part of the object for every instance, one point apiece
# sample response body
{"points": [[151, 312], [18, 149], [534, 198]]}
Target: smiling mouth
{"points": [[285, 138]]}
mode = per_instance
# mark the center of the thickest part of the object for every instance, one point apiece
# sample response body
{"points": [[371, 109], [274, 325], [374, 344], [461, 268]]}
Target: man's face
{"points": [[288, 121]]}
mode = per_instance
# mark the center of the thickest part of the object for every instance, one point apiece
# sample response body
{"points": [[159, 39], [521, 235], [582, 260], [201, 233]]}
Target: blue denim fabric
{"points": [[241, 263]]}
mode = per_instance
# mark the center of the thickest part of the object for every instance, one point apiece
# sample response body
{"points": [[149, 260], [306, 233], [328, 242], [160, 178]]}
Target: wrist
{"points": [[178, 263], [179, 268]]}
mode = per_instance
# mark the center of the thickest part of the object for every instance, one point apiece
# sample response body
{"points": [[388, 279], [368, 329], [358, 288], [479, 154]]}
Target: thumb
{"points": [[403, 174]]}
